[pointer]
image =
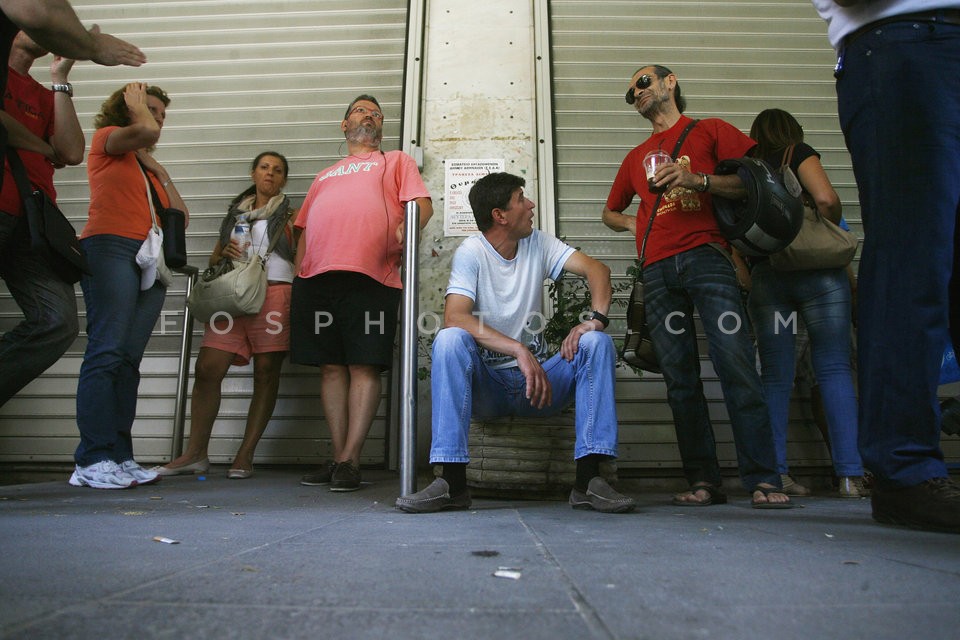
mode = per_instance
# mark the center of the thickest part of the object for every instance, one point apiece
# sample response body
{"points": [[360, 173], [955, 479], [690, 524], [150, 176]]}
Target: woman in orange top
{"points": [[120, 316]]}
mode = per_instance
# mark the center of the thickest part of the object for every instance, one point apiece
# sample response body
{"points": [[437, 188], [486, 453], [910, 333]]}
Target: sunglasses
{"points": [[643, 82]]}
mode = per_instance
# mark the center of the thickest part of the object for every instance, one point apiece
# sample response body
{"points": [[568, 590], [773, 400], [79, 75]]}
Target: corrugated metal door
{"points": [[244, 76], [733, 59]]}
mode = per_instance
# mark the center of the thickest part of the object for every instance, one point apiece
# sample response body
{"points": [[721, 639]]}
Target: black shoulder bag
{"points": [[637, 346], [174, 224], [51, 234]]}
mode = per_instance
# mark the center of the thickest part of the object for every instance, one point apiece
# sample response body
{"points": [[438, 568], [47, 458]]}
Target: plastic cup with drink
{"points": [[653, 161]]}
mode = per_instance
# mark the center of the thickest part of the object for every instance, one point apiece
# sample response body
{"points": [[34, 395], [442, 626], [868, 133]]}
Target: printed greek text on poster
{"points": [[460, 176]]}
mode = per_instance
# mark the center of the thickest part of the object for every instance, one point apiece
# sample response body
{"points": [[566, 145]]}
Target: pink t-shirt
{"points": [[351, 213]]}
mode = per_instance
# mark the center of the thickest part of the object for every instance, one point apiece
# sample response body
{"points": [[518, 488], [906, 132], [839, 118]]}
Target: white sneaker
{"points": [[105, 474], [141, 475]]}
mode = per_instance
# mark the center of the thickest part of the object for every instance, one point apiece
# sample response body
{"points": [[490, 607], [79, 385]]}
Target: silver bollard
{"points": [[408, 352], [183, 371]]}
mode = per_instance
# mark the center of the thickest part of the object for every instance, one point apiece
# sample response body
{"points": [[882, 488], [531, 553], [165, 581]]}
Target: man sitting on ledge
{"points": [[490, 360]]}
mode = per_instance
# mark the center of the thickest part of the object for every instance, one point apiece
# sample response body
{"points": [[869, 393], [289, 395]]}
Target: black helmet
{"points": [[768, 219]]}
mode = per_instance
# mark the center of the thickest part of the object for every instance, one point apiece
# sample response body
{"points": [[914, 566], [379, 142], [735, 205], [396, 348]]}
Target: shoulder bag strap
{"points": [[19, 173], [787, 157], [656, 203], [280, 231], [153, 213]]}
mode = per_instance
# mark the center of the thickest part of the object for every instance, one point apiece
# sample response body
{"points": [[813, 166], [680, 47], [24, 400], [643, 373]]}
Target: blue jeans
{"points": [[49, 307], [463, 386], [905, 147], [703, 278], [779, 300], [120, 319]]}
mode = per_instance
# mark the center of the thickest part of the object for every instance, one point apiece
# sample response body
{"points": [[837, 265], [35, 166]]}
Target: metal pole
{"points": [[408, 352], [183, 372]]}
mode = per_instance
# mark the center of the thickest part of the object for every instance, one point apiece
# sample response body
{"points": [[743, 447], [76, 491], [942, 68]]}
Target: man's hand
{"points": [[538, 386], [111, 51], [571, 344]]}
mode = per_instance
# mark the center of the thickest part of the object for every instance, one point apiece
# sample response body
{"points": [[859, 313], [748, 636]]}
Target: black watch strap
{"points": [[604, 320]]}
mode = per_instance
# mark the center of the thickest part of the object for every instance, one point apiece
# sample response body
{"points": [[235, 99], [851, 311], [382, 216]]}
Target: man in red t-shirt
{"points": [[49, 305], [688, 267]]}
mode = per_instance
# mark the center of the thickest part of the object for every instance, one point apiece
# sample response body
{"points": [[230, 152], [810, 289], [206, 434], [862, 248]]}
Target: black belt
{"points": [[942, 16]]}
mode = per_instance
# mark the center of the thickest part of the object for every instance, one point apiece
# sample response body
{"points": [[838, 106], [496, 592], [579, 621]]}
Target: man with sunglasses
{"points": [[905, 151], [346, 294], [687, 267]]}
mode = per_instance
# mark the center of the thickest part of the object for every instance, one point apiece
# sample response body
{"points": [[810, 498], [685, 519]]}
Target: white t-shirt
{"points": [[508, 294], [278, 269], [842, 21]]}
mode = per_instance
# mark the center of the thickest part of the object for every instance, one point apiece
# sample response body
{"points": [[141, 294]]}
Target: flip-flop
{"points": [[770, 505], [715, 496]]}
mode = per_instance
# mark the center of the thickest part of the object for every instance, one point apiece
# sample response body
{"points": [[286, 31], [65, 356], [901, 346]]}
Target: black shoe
{"points": [[950, 417], [600, 496], [436, 497], [933, 505], [321, 477], [346, 477]]}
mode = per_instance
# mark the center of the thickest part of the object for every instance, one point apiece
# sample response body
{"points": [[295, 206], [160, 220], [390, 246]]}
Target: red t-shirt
{"points": [[31, 104], [685, 218], [118, 194]]}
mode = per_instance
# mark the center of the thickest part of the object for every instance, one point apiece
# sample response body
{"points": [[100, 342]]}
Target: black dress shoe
{"points": [[933, 505]]}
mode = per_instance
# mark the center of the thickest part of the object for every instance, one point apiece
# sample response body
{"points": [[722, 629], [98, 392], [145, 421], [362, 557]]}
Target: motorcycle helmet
{"points": [[768, 219]]}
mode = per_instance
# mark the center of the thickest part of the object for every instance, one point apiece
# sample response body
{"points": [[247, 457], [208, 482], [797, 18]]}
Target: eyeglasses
{"points": [[376, 115], [642, 83]]}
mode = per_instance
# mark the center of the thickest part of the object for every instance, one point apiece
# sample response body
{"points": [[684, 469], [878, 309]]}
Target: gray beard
{"points": [[364, 135]]}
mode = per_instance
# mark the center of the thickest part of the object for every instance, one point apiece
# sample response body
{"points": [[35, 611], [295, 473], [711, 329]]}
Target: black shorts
{"points": [[343, 318]]}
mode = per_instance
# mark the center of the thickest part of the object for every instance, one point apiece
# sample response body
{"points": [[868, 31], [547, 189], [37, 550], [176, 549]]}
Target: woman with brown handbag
{"points": [[821, 298]]}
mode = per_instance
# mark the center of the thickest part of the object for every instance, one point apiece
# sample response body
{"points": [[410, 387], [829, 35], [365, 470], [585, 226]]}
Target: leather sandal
{"points": [[714, 496]]}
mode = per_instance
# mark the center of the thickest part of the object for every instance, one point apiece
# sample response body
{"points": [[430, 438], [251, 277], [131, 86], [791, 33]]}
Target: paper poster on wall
{"points": [[460, 176]]}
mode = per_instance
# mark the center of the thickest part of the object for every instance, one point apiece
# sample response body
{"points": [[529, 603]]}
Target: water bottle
{"points": [[241, 233]]}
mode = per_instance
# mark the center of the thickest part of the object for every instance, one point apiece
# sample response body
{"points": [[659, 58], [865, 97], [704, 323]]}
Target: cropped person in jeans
{"points": [[905, 151], [688, 268], [120, 314], [49, 304], [821, 298], [490, 359], [265, 335]]}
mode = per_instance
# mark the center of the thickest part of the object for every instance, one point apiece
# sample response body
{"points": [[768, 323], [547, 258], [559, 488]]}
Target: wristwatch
{"points": [[604, 320], [66, 88]]}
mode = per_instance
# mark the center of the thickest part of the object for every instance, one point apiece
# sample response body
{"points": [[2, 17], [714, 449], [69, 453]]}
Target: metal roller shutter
{"points": [[243, 77]]}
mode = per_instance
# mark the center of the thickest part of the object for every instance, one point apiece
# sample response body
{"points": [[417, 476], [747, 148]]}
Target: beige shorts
{"points": [[265, 332]]}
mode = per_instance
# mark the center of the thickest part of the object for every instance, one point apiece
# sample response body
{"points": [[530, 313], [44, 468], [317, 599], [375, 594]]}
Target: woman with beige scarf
{"points": [[264, 336]]}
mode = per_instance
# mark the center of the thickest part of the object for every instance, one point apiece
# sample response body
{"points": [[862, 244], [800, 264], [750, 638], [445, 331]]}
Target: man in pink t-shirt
{"points": [[346, 293]]}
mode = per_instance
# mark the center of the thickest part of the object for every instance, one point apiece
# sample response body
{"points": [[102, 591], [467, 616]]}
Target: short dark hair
{"points": [[662, 72], [361, 98], [492, 191]]}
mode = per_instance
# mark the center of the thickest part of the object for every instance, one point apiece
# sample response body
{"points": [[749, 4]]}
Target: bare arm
{"points": [[458, 312], [143, 130], [814, 179], [67, 139], [18, 136], [619, 221], [601, 294], [426, 212], [54, 25]]}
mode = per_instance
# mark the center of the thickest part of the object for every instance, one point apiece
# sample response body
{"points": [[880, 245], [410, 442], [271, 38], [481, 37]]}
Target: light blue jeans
{"points": [[821, 299], [463, 387], [120, 320]]}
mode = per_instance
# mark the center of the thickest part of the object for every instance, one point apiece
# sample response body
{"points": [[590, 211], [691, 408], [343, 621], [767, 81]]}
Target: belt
{"points": [[942, 16]]}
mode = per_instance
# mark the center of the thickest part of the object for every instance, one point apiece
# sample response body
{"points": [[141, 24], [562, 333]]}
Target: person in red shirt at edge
{"points": [[688, 267], [49, 304]]}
